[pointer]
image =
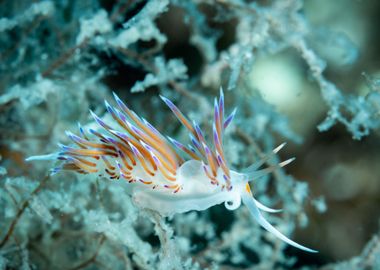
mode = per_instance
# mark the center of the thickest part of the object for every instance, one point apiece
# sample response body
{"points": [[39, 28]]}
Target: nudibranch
{"points": [[160, 172]]}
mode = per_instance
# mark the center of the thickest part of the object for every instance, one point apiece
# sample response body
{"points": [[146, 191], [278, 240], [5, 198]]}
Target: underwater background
{"points": [[302, 72]]}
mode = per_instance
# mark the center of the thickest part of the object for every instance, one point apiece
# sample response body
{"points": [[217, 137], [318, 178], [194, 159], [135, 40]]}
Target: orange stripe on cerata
{"points": [[144, 154], [171, 170], [223, 165], [218, 145], [141, 125], [128, 178], [177, 189], [100, 146], [126, 151], [90, 152], [83, 166], [211, 177], [185, 122], [109, 172], [166, 175], [169, 153], [125, 162], [211, 161], [88, 163], [125, 173], [190, 153], [97, 134], [141, 158], [108, 164], [159, 148], [70, 167], [145, 182], [84, 144], [171, 186]]}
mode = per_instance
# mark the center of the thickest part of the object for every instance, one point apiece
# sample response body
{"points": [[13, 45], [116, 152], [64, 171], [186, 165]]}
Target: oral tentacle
{"points": [[255, 212], [266, 208]]}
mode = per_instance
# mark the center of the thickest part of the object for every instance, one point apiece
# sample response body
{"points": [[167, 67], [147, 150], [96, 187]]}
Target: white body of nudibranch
{"points": [[197, 193], [156, 176]]}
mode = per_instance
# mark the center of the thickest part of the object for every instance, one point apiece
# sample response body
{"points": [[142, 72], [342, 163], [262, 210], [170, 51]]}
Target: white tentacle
{"points": [[266, 208], [253, 208]]}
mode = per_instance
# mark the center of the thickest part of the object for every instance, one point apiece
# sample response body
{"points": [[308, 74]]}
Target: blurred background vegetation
{"points": [[286, 65]]}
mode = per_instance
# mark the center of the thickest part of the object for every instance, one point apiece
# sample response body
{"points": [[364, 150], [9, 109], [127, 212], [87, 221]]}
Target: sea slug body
{"points": [[159, 172]]}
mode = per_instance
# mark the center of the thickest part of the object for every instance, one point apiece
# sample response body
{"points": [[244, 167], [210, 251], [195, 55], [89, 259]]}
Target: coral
{"points": [[61, 58]]}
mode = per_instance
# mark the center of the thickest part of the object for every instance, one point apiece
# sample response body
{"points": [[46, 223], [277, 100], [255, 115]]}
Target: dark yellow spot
{"points": [[247, 188]]}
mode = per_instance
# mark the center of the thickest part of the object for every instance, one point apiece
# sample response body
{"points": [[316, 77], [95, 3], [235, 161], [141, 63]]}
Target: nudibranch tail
{"points": [[52, 156]]}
